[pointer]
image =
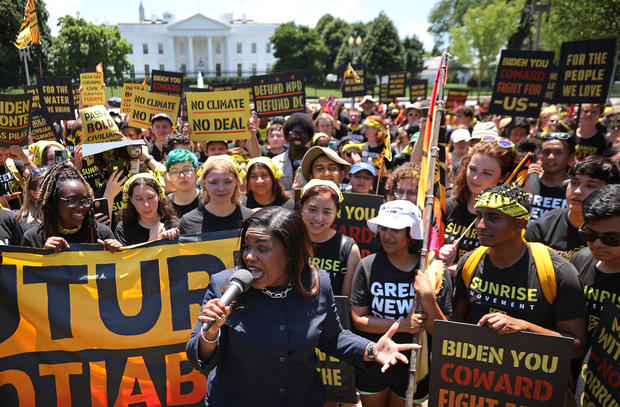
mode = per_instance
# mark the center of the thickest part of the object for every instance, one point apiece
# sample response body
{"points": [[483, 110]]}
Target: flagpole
{"points": [[25, 53]]}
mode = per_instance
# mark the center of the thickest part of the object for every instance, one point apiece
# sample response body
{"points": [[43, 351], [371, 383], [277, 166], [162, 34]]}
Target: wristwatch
{"points": [[371, 351], [147, 159]]}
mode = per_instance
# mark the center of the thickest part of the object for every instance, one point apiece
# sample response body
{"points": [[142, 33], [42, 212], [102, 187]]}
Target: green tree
{"points": [[413, 52], [333, 35], [12, 71], [299, 47], [484, 31], [381, 49], [322, 23], [80, 45]]}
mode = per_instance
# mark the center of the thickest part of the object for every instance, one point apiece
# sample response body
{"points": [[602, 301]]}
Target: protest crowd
{"points": [[542, 256]]}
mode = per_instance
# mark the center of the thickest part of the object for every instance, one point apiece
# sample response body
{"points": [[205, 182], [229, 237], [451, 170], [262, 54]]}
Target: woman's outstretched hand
{"points": [[388, 353]]}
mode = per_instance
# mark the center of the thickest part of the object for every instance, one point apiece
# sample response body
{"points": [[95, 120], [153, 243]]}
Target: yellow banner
{"points": [[92, 89], [97, 125], [128, 89], [219, 115], [145, 105]]}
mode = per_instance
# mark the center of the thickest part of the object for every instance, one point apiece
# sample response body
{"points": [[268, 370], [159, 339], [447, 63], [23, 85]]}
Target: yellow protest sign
{"points": [[92, 89], [219, 115], [97, 125], [128, 89], [145, 105]]}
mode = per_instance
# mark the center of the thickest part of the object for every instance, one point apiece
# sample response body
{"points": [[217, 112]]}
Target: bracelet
{"points": [[217, 338], [147, 159]]}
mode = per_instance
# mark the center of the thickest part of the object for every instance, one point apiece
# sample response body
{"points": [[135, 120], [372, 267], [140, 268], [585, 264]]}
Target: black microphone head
{"points": [[244, 278]]}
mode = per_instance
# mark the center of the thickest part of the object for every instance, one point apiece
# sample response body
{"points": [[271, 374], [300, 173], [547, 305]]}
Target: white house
{"points": [[199, 44]]}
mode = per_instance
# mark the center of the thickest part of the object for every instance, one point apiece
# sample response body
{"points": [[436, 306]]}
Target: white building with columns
{"points": [[199, 43]]}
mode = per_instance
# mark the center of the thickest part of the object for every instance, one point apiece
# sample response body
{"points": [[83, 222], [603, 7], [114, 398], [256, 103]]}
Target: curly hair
{"points": [[299, 119], [407, 170], [228, 166], [164, 208], [49, 192], [174, 141]]}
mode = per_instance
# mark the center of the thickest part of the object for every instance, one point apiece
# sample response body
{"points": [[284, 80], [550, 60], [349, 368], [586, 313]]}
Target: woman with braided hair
{"points": [[68, 217]]}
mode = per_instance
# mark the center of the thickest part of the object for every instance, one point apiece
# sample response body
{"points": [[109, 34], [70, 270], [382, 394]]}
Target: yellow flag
{"points": [[350, 73], [29, 29]]}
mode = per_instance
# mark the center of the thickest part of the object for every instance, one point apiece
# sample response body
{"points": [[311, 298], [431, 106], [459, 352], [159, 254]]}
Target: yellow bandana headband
{"points": [[317, 136], [277, 172], [374, 123], [37, 150], [353, 145], [221, 157], [503, 204], [238, 158], [131, 180], [316, 182]]}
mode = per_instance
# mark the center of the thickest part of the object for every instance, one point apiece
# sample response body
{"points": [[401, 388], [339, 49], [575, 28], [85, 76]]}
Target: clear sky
{"points": [[410, 17]]}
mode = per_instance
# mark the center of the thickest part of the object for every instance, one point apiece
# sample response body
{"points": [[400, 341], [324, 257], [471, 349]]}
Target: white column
{"points": [[172, 59], [210, 69], [190, 50], [228, 67]]}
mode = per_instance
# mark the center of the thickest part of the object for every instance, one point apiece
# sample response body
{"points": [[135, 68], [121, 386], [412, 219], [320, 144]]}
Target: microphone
{"points": [[240, 281]]}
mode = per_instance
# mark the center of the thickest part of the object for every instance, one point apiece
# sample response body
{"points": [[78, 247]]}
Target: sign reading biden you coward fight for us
{"points": [[87, 327], [145, 105], [585, 71], [167, 83], [98, 126], [521, 82], [475, 366], [56, 96], [219, 115], [93, 92], [14, 119], [279, 94]]}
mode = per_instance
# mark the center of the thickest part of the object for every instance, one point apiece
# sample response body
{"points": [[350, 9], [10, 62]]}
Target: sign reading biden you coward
{"points": [[87, 327], [97, 125], [475, 366], [14, 119], [355, 210], [219, 115], [521, 82], [167, 83], [145, 105], [279, 94]]}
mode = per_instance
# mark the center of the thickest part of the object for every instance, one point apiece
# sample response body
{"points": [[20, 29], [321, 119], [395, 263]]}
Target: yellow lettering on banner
{"points": [[61, 373], [145, 105], [135, 370], [219, 115], [92, 89], [97, 125], [20, 381], [98, 384], [464, 350]]}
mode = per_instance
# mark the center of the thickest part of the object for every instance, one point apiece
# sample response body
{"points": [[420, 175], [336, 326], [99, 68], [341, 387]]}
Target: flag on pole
{"points": [[29, 29], [99, 67], [350, 73]]}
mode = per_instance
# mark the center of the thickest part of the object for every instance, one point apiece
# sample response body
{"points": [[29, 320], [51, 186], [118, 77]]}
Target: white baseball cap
{"points": [[460, 135], [398, 214]]}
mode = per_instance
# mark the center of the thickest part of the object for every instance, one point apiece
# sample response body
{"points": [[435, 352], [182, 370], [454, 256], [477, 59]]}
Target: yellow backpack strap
{"points": [[545, 271], [471, 263], [10, 164]]}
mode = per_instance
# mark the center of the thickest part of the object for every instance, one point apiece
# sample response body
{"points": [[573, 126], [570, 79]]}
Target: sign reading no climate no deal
{"points": [[145, 105], [219, 115], [279, 94]]}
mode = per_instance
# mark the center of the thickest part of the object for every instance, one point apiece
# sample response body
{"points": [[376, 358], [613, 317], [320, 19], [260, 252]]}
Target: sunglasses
{"points": [[608, 239], [557, 136], [502, 142]]}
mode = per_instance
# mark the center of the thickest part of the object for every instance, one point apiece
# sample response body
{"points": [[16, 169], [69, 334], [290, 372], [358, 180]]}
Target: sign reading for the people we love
{"points": [[14, 119], [279, 94], [218, 115], [93, 92], [145, 105]]}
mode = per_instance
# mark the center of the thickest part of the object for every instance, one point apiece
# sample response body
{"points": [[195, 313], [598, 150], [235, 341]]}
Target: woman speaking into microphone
{"points": [[260, 351]]}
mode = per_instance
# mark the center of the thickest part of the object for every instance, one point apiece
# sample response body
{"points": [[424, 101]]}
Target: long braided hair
{"points": [[49, 193]]}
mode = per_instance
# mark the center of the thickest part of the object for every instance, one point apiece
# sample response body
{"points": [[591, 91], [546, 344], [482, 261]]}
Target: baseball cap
{"points": [[363, 166], [398, 214], [367, 98], [162, 116], [484, 129], [460, 135]]}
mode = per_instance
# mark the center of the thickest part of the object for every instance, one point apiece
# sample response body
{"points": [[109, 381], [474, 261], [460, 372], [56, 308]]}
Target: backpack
{"points": [[542, 259]]}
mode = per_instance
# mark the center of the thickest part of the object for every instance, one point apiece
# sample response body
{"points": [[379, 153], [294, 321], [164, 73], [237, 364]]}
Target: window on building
{"points": [[182, 48], [253, 48], [162, 67], [160, 48], [239, 70], [147, 69], [253, 69], [239, 48], [268, 48], [145, 49], [132, 72], [218, 69], [131, 48], [218, 48], [268, 68], [183, 68]]}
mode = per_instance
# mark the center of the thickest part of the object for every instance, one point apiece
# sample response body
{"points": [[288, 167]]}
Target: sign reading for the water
{"points": [[456, 98], [475, 366], [521, 82], [92, 89], [397, 84], [40, 127], [14, 117], [418, 89], [280, 94], [585, 71], [56, 96], [354, 84], [167, 83], [97, 125], [145, 105], [219, 115], [128, 89]]}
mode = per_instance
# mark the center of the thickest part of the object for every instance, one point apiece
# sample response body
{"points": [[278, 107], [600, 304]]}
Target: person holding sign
{"points": [[260, 351], [263, 186], [388, 287]]}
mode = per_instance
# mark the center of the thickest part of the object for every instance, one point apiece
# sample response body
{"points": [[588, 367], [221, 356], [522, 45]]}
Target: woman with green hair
{"points": [[181, 167]]}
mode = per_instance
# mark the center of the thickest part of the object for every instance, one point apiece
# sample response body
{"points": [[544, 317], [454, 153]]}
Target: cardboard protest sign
{"points": [[279, 94], [167, 83], [34, 91], [97, 125], [338, 376], [127, 95], [220, 87], [183, 108], [397, 84], [218, 115], [92, 89], [14, 119], [56, 96], [456, 98], [354, 83], [40, 127], [145, 105], [585, 71], [476, 366], [75, 90], [418, 88], [520, 82], [355, 210], [383, 94], [244, 85], [550, 90], [599, 379]]}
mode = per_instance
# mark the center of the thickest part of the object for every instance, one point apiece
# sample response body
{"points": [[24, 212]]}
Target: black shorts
{"points": [[371, 380]]}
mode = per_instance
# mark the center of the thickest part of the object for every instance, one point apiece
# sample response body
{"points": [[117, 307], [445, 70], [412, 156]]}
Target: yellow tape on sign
{"points": [[145, 105], [97, 125], [92, 89], [219, 115], [128, 89]]}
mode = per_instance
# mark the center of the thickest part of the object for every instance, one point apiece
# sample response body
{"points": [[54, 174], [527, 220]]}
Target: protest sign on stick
{"points": [[418, 88], [127, 95], [93, 92], [456, 98], [354, 80], [97, 125], [167, 83], [56, 96], [383, 94], [40, 126], [145, 105], [397, 84], [14, 119], [219, 115], [34, 91], [550, 90], [279, 94]]}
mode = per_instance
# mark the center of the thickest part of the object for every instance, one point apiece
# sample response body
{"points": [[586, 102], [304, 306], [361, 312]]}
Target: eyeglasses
{"points": [[557, 136], [400, 193], [75, 202], [185, 173], [502, 142], [608, 239], [300, 134]]}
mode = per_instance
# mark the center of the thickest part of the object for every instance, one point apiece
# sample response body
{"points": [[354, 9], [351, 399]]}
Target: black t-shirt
{"points": [[134, 233], [331, 256], [155, 152], [10, 230], [374, 153], [201, 220], [598, 287], [269, 153], [94, 176], [556, 231], [458, 218], [516, 291], [249, 202], [595, 145], [181, 210], [8, 183], [34, 236], [543, 199]]}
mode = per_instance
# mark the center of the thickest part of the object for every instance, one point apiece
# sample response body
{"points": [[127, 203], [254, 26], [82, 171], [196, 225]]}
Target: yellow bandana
{"points": [[37, 150], [373, 123], [353, 145], [503, 204], [277, 172], [239, 158], [131, 180], [316, 182], [221, 157]]}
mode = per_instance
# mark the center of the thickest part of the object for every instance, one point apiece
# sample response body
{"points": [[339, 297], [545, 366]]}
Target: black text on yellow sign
{"points": [[128, 89], [145, 105], [219, 115], [14, 118], [97, 125], [93, 92]]}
